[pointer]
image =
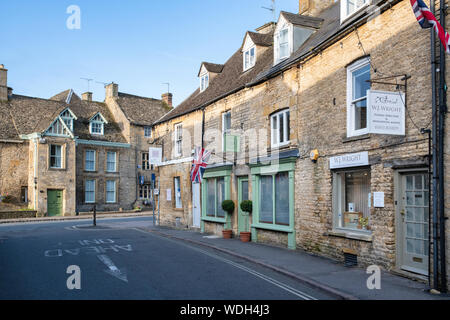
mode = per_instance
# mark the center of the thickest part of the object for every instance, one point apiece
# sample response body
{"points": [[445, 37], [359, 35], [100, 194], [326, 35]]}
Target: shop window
{"points": [[274, 199], [215, 195], [177, 187]]}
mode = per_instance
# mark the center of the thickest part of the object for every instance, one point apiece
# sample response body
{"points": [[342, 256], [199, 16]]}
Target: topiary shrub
{"points": [[228, 206], [247, 206]]}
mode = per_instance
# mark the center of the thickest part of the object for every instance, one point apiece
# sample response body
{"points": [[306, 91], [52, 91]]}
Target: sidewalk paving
{"points": [[326, 274], [83, 216]]}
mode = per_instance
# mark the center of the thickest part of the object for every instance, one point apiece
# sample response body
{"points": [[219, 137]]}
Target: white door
{"points": [[196, 205]]}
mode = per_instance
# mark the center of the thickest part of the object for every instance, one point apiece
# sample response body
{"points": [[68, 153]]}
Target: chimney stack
{"points": [[112, 90], [3, 83], [87, 96], [167, 99], [314, 7]]}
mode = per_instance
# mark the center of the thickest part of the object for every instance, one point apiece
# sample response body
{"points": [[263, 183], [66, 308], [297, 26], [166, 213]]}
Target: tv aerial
{"points": [[273, 9]]}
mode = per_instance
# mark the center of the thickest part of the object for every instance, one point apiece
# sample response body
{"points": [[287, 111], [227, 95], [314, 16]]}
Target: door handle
{"points": [[402, 212]]}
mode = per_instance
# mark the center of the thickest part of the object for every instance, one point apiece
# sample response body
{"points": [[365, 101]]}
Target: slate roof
{"points": [[141, 110], [22, 115], [261, 39], [63, 96], [211, 67], [302, 20]]}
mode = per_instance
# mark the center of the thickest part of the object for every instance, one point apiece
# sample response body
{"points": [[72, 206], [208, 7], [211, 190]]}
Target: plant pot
{"points": [[226, 234], [245, 236]]}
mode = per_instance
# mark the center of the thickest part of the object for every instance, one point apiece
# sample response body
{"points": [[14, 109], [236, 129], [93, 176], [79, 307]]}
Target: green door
{"points": [[54, 202], [243, 219]]}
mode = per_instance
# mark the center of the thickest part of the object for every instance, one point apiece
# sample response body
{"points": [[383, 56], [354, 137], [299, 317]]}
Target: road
{"points": [[120, 260]]}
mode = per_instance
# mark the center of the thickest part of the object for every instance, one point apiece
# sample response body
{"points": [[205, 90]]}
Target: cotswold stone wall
{"points": [[13, 169]]}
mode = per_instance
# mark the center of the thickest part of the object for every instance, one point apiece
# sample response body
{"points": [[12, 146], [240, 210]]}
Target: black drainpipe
{"points": [[434, 183], [442, 111], [203, 124]]}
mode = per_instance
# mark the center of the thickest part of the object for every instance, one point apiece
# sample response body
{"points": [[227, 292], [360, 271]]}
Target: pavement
{"points": [[329, 276]]}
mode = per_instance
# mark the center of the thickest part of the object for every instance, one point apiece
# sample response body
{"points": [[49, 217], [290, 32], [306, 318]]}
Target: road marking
{"points": [[112, 269], [266, 278]]}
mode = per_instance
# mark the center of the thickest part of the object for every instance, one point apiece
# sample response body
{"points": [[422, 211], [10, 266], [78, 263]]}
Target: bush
{"points": [[228, 206], [247, 206], [8, 199]]}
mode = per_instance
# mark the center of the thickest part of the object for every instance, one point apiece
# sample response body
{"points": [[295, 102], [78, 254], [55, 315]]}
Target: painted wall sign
{"points": [[386, 112], [350, 160], [155, 156]]}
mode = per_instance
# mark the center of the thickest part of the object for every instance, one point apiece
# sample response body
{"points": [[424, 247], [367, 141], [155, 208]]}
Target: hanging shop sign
{"points": [[155, 156], [386, 112], [350, 160]]}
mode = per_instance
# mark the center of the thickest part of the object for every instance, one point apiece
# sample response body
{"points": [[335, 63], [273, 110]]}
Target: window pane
{"points": [[274, 130], [357, 189], [281, 131], [90, 191], [360, 85], [244, 186], [227, 121], [211, 197], [111, 162], [90, 160], [177, 193], [360, 114], [110, 191], [220, 196], [282, 198], [266, 200], [288, 133]]}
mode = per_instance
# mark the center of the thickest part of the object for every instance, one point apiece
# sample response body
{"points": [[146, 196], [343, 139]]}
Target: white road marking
{"points": [[112, 269], [273, 281]]}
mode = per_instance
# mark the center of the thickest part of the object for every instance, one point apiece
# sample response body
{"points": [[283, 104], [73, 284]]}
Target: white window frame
{"points": [[178, 139], [109, 191], [148, 132], [98, 119], [345, 14], [90, 161], [204, 81], [67, 117], [115, 161], [145, 192], [351, 131], [225, 131], [61, 166], [93, 191], [274, 134], [250, 63], [177, 185], [145, 157]]}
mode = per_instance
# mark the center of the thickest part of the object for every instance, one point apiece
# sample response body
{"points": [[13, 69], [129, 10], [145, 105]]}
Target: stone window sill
{"points": [[367, 237], [356, 138]]}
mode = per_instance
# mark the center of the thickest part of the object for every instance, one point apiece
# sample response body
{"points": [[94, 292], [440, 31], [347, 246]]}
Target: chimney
{"points": [[112, 90], [314, 7], [167, 99], [267, 28], [87, 96], [3, 83]]}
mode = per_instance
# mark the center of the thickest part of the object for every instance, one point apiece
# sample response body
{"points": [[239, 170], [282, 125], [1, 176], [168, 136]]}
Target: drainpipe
{"points": [[203, 124], [442, 111], [35, 175], [434, 147]]}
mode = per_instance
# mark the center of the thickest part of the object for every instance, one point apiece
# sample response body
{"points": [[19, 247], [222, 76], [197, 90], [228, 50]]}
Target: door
{"points": [[54, 202], [243, 218], [414, 218], [196, 205]]}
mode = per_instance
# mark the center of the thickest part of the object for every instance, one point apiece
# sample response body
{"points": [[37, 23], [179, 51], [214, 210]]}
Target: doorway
{"points": [[196, 205], [243, 218], [54, 202]]}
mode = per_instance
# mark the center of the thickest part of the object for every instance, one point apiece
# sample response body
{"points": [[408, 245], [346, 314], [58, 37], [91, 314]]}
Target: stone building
{"points": [[64, 154], [289, 124]]}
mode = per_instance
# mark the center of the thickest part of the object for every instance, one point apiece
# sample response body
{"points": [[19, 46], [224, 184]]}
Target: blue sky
{"points": [[139, 44]]}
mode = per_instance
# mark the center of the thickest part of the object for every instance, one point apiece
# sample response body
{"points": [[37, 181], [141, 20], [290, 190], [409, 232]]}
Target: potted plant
{"points": [[228, 207], [364, 223], [246, 207]]}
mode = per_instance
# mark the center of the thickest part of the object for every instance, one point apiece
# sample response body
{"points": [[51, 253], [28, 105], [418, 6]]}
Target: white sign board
{"points": [[169, 194], [378, 199], [155, 156], [350, 160], [386, 112]]}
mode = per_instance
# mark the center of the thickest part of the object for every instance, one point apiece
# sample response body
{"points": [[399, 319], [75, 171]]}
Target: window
{"points": [[349, 7], [67, 117], [145, 192], [148, 132], [178, 139], [177, 189], [97, 125], [24, 194], [204, 81], [283, 44], [358, 76], [89, 160], [111, 161], [280, 131], [249, 58], [110, 191], [226, 127], [274, 199], [351, 198], [56, 156], [146, 162], [89, 191], [57, 129], [215, 193]]}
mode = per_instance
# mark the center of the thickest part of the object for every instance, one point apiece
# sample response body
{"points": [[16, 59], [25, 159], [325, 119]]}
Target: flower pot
{"points": [[226, 234], [245, 236]]}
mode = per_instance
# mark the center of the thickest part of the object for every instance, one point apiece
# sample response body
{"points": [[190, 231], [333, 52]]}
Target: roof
{"points": [[231, 78], [302, 20], [141, 110], [211, 67], [22, 115], [66, 96], [261, 39]]}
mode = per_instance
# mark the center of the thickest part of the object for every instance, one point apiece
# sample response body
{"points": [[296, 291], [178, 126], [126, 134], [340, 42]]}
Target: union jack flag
{"points": [[427, 19], [199, 163]]}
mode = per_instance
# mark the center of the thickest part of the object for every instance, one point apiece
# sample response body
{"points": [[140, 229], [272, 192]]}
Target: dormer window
{"points": [[204, 81], [67, 117], [350, 7], [249, 58], [97, 124], [283, 43]]}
